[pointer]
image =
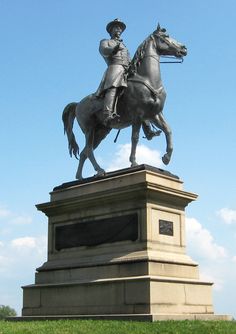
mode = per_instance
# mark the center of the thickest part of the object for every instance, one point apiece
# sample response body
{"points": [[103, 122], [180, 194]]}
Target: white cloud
{"points": [[227, 215], [27, 244], [22, 254], [202, 247], [1, 244], [143, 155], [18, 260], [201, 241], [234, 259], [218, 283]]}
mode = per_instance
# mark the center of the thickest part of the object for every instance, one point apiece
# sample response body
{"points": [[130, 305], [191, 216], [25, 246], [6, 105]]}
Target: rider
{"points": [[117, 57]]}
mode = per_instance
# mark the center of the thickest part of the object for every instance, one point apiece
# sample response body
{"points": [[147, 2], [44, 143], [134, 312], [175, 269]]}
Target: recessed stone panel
{"points": [[96, 232], [166, 227]]}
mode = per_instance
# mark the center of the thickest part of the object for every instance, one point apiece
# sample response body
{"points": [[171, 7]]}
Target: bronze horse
{"points": [[142, 101]]}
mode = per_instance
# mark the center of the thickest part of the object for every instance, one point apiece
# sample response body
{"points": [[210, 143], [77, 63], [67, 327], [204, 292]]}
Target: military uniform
{"points": [[117, 57]]}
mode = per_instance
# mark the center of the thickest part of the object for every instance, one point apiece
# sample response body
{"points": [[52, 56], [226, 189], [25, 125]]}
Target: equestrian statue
{"points": [[131, 93]]}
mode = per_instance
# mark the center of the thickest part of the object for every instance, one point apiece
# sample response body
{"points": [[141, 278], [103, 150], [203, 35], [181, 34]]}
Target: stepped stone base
{"points": [[116, 250], [133, 295], [128, 317]]}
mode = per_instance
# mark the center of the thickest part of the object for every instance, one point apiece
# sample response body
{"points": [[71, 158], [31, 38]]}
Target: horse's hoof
{"points": [[101, 172], [152, 134], [166, 159], [134, 164]]}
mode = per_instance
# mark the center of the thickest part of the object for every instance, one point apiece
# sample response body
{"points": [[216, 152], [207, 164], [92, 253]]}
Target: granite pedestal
{"points": [[116, 249]]}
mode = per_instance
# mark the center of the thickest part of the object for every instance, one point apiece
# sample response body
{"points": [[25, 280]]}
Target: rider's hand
{"points": [[116, 48]]}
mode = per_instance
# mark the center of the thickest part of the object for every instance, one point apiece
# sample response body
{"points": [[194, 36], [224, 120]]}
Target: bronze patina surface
{"points": [[140, 104]]}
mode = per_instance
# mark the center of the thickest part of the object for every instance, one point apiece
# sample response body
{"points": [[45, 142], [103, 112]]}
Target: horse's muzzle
{"points": [[183, 51]]}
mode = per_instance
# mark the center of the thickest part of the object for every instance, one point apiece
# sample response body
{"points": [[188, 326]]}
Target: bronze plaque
{"points": [[166, 227]]}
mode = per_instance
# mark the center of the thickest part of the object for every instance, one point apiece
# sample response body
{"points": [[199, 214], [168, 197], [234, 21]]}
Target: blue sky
{"points": [[49, 57]]}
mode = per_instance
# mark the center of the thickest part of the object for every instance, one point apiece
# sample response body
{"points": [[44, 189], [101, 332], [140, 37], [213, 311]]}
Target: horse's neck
{"points": [[149, 67]]}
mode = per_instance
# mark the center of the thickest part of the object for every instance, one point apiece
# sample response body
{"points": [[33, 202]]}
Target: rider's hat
{"points": [[113, 23]]}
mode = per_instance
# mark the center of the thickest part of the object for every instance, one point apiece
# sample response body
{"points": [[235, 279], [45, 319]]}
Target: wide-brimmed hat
{"points": [[113, 23]]}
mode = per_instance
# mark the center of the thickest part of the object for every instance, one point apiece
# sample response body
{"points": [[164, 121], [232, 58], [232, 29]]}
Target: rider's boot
{"points": [[149, 133], [108, 115], [109, 102]]}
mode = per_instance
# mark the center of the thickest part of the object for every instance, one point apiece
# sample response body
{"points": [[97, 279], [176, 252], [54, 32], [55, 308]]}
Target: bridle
{"points": [[179, 61]]}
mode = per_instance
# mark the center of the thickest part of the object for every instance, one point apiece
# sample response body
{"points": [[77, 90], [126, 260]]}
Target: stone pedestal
{"points": [[116, 248]]}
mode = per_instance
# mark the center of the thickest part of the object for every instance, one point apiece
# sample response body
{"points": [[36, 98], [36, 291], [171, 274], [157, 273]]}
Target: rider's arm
{"points": [[108, 47]]}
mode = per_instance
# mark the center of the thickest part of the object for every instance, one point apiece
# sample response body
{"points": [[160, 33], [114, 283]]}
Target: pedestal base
{"points": [[116, 249], [127, 295]]}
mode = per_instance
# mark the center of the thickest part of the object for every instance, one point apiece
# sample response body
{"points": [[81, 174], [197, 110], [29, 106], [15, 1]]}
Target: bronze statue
{"points": [[142, 101]]}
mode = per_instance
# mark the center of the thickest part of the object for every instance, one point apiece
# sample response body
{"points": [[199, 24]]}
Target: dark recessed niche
{"points": [[96, 232]]}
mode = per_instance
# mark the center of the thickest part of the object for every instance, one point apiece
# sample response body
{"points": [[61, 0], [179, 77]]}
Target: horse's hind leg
{"points": [[84, 153], [92, 141], [99, 135], [82, 158], [88, 153], [161, 124], [100, 171]]}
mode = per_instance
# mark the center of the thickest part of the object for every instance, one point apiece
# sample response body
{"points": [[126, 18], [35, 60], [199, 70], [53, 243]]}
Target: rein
{"points": [[180, 61]]}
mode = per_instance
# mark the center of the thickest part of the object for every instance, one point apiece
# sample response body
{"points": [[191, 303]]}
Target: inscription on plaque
{"points": [[97, 232], [166, 227]]}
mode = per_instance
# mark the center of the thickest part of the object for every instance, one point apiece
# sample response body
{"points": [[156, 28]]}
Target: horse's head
{"points": [[158, 43], [166, 45]]}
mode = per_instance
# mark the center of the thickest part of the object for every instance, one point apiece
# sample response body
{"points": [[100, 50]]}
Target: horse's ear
{"points": [[158, 27]]}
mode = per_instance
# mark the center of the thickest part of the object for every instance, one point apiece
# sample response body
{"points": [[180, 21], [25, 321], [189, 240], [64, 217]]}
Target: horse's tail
{"points": [[68, 118]]}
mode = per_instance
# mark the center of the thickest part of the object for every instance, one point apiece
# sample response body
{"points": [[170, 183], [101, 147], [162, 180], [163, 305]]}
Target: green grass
{"points": [[117, 327]]}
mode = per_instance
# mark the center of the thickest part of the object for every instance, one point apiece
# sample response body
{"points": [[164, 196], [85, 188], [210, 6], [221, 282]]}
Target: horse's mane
{"points": [[138, 56]]}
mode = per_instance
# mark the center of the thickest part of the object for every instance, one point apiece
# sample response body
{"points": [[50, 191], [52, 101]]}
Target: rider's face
{"points": [[116, 31]]}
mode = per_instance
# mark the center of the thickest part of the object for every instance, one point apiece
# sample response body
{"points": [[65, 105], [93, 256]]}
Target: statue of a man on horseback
{"points": [[140, 104]]}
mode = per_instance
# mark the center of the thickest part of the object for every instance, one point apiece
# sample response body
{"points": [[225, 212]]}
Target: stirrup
{"points": [[114, 115], [109, 115]]}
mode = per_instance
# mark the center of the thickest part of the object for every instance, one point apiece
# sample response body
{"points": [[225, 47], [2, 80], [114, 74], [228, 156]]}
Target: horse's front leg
{"points": [[134, 143], [161, 124]]}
